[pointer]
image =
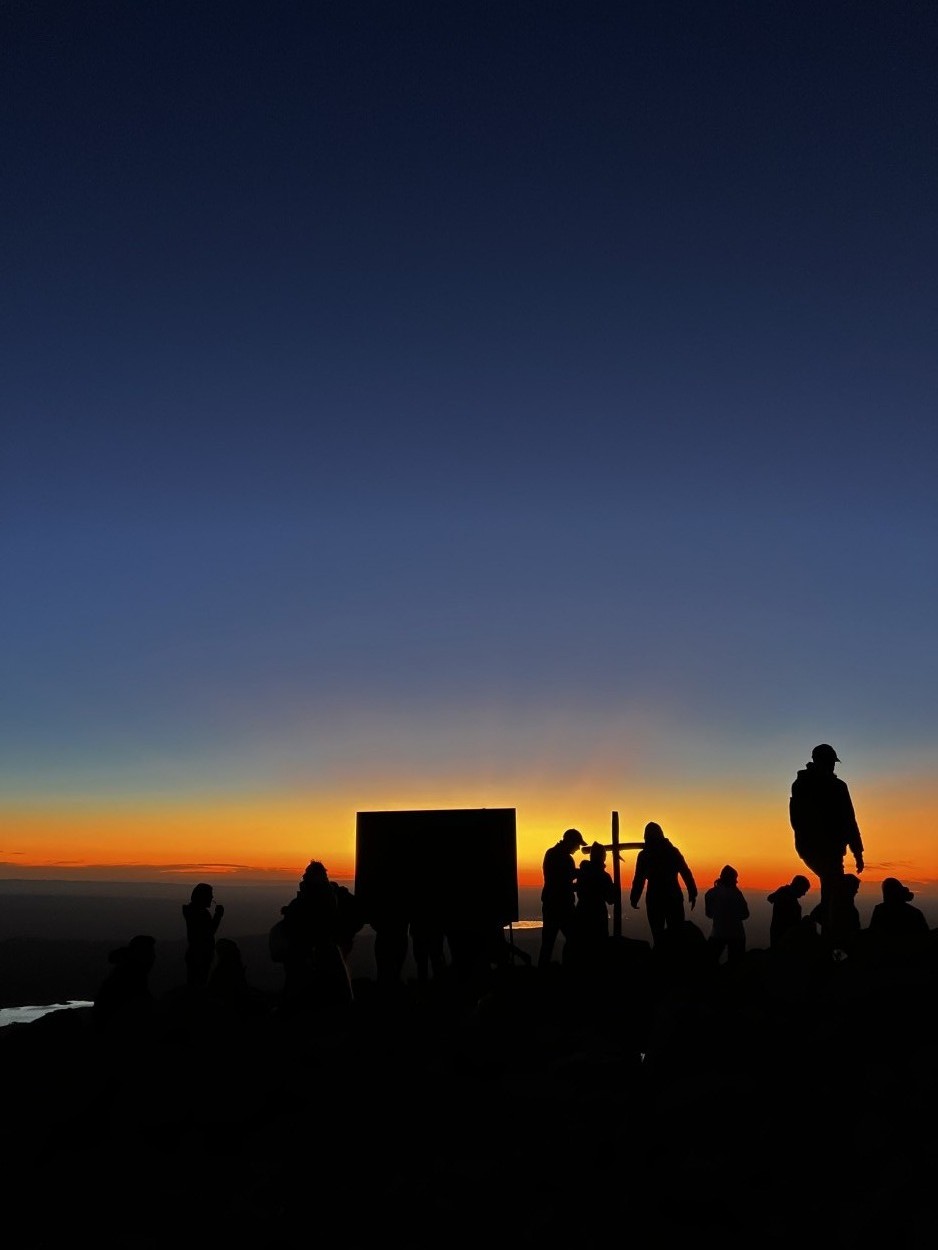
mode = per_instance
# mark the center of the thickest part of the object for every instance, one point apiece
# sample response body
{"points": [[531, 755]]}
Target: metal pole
{"points": [[617, 878]]}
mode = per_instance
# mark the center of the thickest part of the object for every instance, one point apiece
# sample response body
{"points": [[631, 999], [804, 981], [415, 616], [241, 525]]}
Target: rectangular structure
{"points": [[463, 859]]}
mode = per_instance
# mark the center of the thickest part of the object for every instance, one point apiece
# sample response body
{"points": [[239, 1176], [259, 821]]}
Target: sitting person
{"points": [[786, 908], [898, 932]]}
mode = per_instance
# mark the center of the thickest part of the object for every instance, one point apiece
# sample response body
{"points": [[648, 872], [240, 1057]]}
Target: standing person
{"points": [[659, 869], [825, 826], [124, 999], [595, 893], [558, 897], [726, 907], [786, 908], [201, 925], [315, 972]]}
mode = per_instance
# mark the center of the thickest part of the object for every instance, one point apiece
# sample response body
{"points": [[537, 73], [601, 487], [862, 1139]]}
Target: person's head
{"points": [[141, 950], [800, 885], [202, 894], [597, 853], [572, 838], [851, 884], [728, 875], [653, 833], [824, 756], [895, 892]]}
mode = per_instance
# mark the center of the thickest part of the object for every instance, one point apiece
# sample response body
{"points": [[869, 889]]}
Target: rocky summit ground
{"points": [[773, 1104]]}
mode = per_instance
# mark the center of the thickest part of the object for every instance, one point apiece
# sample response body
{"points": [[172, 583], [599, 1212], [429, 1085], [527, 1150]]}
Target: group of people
{"points": [[575, 898], [312, 940], [314, 936]]}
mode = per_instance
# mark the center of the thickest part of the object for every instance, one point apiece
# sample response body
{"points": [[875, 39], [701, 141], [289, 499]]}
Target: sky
{"points": [[418, 405]]}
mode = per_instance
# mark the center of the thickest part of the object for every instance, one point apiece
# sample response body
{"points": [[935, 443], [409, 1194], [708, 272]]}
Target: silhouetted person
{"points": [[124, 998], [201, 925], [659, 869], [786, 908], [726, 907], [898, 932], [595, 893], [315, 971], [558, 896], [848, 923], [228, 983], [825, 826]]}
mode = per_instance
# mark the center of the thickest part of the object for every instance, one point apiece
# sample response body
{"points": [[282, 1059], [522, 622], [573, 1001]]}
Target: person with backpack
{"points": [[822, 817], [659, 869]]}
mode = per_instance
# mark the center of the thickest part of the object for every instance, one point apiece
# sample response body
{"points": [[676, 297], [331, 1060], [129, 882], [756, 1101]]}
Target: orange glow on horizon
{"points": [[272, 836]]}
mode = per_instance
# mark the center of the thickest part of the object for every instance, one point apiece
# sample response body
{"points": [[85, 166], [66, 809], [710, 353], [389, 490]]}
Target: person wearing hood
{"points": [[822, 817], [659, 869], [726, 907]]}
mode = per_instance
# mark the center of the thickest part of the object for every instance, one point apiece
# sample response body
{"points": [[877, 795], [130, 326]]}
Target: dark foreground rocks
{"points": [[768, 1105]]}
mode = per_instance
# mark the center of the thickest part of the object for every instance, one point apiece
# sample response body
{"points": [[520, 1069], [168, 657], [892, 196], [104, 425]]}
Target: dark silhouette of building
{"points": [[825, 826], [421, 873], [659, 870]]}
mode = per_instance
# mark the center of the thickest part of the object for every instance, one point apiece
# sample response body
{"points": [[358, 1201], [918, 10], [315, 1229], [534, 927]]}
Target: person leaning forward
{"points": [[659, 869], [825, 826], [558, 897]]}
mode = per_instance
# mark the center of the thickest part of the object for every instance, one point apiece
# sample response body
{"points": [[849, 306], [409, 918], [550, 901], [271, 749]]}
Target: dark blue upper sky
{"points": [[449, 366]]}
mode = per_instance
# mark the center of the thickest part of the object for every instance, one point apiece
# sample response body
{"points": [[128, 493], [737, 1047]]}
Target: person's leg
{"points": [[657, 919], [549, 931]]}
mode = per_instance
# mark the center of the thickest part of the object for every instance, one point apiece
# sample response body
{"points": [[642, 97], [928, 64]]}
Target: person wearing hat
{"points": [[659, 869], [821, 813], [558, 897], [898, 932]]}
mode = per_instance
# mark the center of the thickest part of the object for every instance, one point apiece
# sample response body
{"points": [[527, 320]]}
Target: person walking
{"points": [[726, 907], [825, 826], [558, 896], [659, 869]]}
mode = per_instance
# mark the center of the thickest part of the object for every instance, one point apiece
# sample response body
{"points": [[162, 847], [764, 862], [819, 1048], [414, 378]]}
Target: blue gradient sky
{"points": [[468, 404]]}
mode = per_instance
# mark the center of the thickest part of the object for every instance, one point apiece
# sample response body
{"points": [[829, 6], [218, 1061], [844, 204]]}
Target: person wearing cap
{"points": [[558, 896], [659, 869], [821, 813]]}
